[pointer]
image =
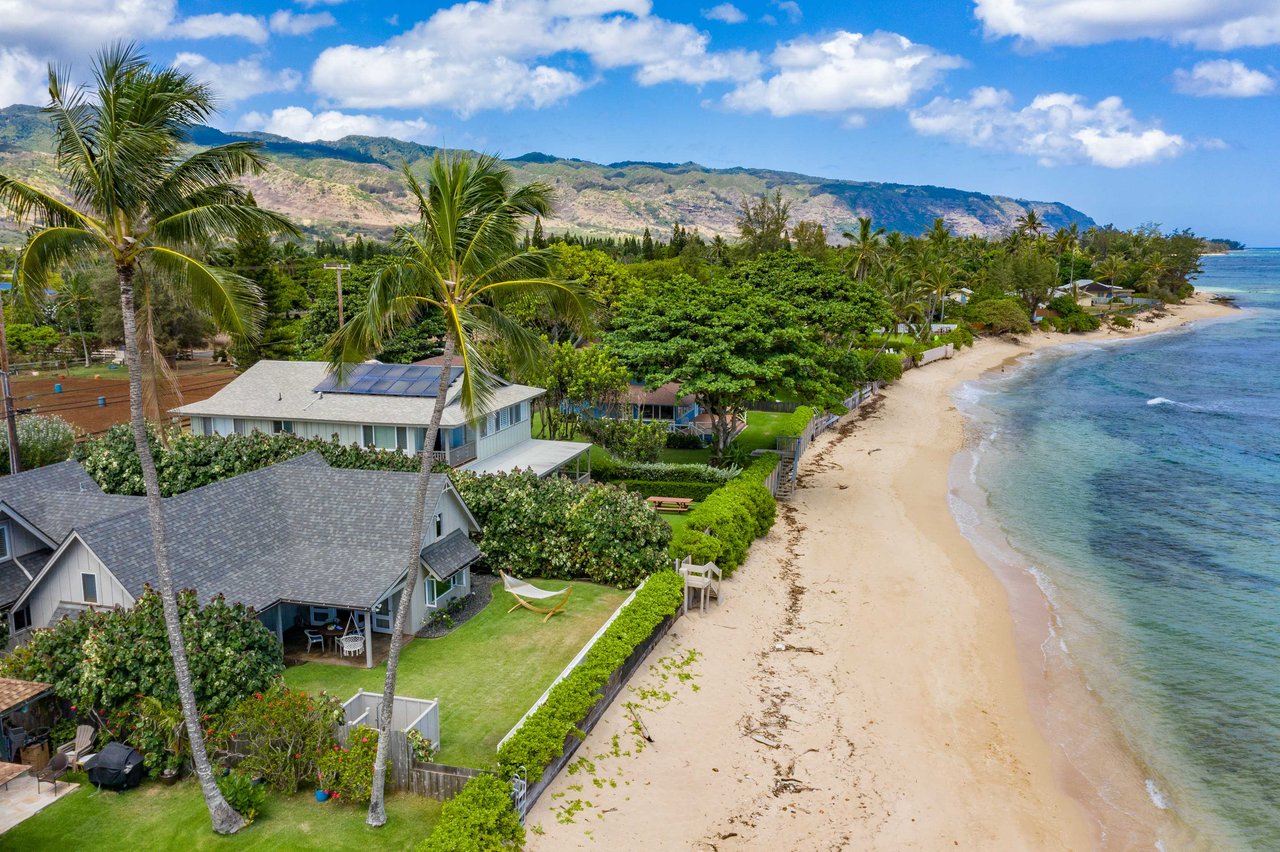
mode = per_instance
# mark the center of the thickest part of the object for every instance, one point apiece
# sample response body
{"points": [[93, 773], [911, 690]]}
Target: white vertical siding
{"points": [[62, 584], [21, 541], [491, 445]]}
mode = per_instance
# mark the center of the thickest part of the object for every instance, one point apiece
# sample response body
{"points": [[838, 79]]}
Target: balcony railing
{"points": [[455, 456]]}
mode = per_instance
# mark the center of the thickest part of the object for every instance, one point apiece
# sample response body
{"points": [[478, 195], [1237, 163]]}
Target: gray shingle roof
{"points": [[450, 554], [57, 497], [285, 390], [296, 531], [17, 573]]}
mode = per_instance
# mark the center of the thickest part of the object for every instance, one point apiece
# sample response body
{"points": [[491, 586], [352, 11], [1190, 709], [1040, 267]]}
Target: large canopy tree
{"points": [[726, 344], [139, 204], [462, 260]]}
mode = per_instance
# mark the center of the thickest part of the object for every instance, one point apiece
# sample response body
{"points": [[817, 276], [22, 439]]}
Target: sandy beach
{"points": [[861, 686]]}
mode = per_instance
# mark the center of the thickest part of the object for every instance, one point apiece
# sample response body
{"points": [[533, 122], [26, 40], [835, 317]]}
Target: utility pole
{"points": [[11, 419], [338, 269]]}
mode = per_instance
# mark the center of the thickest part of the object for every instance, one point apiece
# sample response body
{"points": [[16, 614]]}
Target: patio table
{"points": [[332, 634], [10, 771]]}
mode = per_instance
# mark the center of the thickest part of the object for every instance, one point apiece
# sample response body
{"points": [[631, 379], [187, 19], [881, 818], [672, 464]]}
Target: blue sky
{"points": [[1133, 111]]}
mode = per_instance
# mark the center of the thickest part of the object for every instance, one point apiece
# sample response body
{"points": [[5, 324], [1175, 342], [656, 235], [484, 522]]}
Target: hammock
{"points": [[524, 592]]}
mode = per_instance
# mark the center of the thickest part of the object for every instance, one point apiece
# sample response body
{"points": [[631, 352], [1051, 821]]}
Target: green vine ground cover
{"points": [[171, 818], [486, 673]]}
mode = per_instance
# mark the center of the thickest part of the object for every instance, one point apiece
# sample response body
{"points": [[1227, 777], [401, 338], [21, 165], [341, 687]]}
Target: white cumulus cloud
{"points": [[1056, 129], [726, 13], [846, 71], [300, 123], [790, 8], [220, 24], [502, 54], [1223, 78], [22, 78], [1207, 24], [235, 81], [287, 23]]}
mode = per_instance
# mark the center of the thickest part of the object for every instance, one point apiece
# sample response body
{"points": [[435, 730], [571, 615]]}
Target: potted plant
{"points": [[172, 770], [322, 795]]}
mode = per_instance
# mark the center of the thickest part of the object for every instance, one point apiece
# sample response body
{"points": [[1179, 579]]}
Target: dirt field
{"points": [[78, 401]]}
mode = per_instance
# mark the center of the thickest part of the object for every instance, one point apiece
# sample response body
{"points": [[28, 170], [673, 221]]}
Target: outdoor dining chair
{"points": [[314, 638], [55, 769]]}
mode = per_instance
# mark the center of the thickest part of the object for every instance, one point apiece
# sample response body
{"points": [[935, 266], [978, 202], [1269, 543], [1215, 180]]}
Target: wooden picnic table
{"points": [[10, 771], [670, 504]]}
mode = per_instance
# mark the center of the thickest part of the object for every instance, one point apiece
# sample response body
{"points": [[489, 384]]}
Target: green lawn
{"points": [[702, 456], [678, 520], [158, 817], [763, 428], [486, 673]]}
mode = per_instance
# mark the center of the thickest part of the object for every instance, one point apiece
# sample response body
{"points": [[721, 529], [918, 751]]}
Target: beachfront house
{"points": [[388, 406], [302, 543]]}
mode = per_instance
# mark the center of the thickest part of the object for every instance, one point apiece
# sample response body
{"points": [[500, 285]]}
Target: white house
{"points": [[388, 406], [300, 542]]}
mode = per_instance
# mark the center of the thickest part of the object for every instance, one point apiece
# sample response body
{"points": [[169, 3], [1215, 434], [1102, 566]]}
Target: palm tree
{"points": [[461, 258], [72, 294], [1110, 268], [138, 204], [865, 246], [1030, 223]]}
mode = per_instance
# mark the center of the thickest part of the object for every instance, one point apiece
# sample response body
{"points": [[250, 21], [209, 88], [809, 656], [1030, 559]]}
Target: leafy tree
{"points": [[42, 439], [576, 379], [1028, 274], [726, 344], [811, 239], [762, 224], [1002, 316], [145, 208], [646, 246], [255, 261], [461, 260]]}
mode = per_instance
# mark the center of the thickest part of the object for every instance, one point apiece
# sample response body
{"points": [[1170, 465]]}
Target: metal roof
{"points": [[541, 457], [288, 390]]}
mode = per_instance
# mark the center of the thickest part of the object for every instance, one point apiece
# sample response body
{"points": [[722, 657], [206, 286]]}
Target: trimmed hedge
{"points": [[481, 818], [795, 424], [615, 469], [651, 488], [540, 740], [736, 515]]}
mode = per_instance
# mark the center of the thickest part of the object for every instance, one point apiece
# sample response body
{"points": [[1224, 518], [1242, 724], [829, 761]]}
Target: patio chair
{"points": [[314, 637], [352, 645], [524, 593], [80, 746], [55, 769]]}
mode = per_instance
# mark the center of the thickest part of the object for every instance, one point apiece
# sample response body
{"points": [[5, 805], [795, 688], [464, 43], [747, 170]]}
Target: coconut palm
{"points": [[463, 259], [138, 204], [1110, 268], [1030, 223], [864, 246]]}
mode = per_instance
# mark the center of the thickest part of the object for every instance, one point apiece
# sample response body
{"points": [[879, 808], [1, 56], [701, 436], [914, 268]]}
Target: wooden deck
{"points": [[295, 651]]}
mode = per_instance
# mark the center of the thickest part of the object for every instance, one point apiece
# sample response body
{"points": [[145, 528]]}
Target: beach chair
{"points": [[81, 746], [525, 593]]}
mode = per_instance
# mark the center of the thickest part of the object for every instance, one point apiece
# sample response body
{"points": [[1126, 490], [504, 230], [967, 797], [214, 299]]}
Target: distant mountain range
{"points": [[338, 189]]}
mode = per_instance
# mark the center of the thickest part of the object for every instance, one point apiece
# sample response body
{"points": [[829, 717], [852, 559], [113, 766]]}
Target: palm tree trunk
{"points": [[377, 809], [225, 819], [84, 344]]}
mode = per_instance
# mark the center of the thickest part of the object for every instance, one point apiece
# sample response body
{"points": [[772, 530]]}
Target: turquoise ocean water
{"points": [[1141, 481]]}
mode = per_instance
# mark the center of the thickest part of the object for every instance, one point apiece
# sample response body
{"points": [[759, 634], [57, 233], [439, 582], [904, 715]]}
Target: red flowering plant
{"points": [[346, 772], [280, 733]]}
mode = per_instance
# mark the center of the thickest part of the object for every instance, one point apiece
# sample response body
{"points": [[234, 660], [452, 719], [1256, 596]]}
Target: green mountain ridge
{"points": [[353, 186]]}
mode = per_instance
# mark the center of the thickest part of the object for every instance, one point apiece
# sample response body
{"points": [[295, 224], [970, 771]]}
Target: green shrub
{"points": [[481, 818], [1121, 321], [633, 440], [613, 469], [684, 441], [959, 337], [282, 734], [557, 529], [42, 439], [246, 797], [107, 660], [542, 736], [884, 367], [189, 461], [1002, 316], [650, 488], [796, 422], [734, 515], [346, 772]]}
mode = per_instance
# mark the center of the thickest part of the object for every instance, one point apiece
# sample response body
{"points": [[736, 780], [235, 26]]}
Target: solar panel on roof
{"points": [[388, 380]]}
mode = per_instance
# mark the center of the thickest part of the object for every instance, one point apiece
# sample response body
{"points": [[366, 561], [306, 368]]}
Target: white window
{"points": [[504, 418], [386, 437], [89, 587], [278, 426], [5, 552], [238, 426], [437, 589], [439, 524], [206, 426]]}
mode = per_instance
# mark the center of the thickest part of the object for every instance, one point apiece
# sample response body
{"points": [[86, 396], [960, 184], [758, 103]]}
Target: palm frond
{"points": [[45, 252], [221, 164], [216, 221], [24, 202], [232, 301]]}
